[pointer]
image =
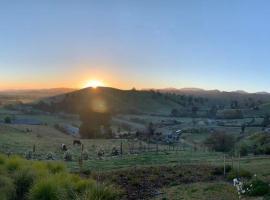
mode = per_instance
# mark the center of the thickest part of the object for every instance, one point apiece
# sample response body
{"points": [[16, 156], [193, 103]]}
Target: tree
{"points": [[243, 128], [150, 130], [213, 111], [266, 121], [95, 124], [7, 120], [243, 150], [220, 142]]}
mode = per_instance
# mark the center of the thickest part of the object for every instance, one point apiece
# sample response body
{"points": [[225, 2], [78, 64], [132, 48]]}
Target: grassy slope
{"points": [[202, 191], [117, 100]]}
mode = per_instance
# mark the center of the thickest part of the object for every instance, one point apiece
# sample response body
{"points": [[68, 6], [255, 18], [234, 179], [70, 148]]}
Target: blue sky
{"points": [[210, 44]]}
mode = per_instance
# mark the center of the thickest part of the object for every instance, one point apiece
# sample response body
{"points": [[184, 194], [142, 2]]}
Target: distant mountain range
{"points": [[37, 92], [192, 90]]}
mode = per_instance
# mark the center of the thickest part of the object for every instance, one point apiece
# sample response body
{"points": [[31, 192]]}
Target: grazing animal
{"points": [[235, 181], [64, 147], [77, 142]]}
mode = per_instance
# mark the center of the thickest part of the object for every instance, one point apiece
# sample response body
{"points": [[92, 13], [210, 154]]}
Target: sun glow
{"points": [[94, 83]]}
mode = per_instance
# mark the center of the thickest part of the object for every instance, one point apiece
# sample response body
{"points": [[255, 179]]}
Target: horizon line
{"points": [[141, 89]]}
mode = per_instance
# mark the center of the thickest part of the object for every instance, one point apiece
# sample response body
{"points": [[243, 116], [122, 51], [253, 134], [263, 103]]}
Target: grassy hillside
{"points": [[190, 103], [26, 96], [110, 99]]}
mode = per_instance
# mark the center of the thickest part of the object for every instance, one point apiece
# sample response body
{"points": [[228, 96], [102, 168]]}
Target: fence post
{"points": [[224, 163], [121, 148], [34, 148], [238, 170], [232, 162]]}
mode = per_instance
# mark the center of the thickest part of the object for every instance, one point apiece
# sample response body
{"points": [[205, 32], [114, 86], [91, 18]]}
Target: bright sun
{"points": [[94, 83]]}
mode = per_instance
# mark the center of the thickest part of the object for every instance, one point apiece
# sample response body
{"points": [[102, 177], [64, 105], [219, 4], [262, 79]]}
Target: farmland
{"points": [[35, 135]]}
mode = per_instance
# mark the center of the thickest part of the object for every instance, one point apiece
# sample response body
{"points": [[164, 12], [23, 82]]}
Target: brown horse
{"points": [[77, 142]]}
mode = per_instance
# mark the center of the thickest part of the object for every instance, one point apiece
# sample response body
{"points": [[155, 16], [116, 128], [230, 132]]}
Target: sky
{"points": [[208, 44]]}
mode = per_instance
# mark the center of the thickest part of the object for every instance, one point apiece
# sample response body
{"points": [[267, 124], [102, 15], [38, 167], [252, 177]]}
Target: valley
{"points": [[175, 140]]}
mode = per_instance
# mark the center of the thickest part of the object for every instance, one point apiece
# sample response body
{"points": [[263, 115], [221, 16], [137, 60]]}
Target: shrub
{"points": [[257, 188], [242, 173], [220, 170], [266, 197], [220, 142], [50, 156], [243, 150], [7, 120], [245, 174], [67, 156]]}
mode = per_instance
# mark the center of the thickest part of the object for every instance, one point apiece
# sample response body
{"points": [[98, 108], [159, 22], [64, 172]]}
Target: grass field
{"points": [[202, 191], [16, 139]]}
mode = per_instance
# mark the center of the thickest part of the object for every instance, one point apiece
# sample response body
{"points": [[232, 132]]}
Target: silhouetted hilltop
{"points": [[187, 102]]}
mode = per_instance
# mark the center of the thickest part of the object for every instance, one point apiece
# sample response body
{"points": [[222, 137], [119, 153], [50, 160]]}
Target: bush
{"points": [[220, 142], [242, 174], [220, 170], [50, 156], [243, 150], [257, 188], [7, 120]]}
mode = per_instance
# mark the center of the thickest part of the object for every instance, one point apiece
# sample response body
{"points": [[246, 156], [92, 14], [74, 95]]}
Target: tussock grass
{"points": [[35, 180]]}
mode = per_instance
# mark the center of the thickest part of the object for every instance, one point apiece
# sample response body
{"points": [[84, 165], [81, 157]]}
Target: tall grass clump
{"points": [[46, 189], [99, 191], [22, 179], [7, 188], [14, 163]]}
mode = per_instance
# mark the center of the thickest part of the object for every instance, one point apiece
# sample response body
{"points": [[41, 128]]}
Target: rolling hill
{"points": [[160, 102], [112, 100]]}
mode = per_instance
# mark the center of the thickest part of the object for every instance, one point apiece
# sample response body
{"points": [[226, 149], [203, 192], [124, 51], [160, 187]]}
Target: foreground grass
{"points": [[200, 191], [32, 180]]}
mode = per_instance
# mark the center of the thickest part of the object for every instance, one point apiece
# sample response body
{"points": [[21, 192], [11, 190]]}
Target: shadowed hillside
{"points": [[109, 99], [186, 102]]}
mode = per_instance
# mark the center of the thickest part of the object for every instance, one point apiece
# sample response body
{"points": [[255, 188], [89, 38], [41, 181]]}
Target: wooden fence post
{"points": [[238, 170], [224, 163], [121, 148]]}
